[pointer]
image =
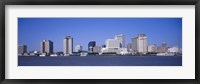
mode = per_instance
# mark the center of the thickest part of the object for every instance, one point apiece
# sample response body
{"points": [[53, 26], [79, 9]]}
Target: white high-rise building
{"points": [[112, 43], [140, 43], [116, 45], [121, 39], [152, 48], [68, 45], [78, 48]]}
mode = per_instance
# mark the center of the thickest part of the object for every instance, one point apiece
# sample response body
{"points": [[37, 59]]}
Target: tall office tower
{"points": [[22, 49], [121, 39], [46, 46], [78, 48], [91, 44], [129, 47], [134, 44], [152, 48], [112, 43], [140, 43], [68, 45]]}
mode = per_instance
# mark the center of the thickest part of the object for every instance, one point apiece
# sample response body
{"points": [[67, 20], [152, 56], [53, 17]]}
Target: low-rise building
{"points": [[97, 49], [173, 49], [152, 48], [123, 51], [78, 48]]}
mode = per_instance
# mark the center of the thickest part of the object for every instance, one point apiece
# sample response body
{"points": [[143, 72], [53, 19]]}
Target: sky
{"points": [[31, 31]]}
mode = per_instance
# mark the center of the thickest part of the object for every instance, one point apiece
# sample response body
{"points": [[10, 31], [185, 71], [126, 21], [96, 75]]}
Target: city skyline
{"points": [[79, 29], [46, 46]]}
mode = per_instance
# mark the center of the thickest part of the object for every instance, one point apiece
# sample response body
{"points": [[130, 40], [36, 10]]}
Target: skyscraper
{"points": [[91, 44], [140, 43], [22, 49], [68, 45], [121, 39], [46, 46], [116, 45], [78, 48]]}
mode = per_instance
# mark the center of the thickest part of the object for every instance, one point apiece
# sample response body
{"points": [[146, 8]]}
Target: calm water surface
{"points": [[100, 61]]}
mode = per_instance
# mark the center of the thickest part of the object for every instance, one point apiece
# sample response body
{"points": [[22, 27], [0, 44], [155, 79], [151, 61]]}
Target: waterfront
{"points": [[100, 61]]}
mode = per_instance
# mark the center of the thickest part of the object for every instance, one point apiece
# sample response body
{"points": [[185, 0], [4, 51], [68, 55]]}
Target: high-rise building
{"points": [[91, 44], [78, 48], [134, 44], [116, 45], [112, 43], [68, 45], [22, 49], [152, 48], [140, 43], [46, 46], [121, 39]]}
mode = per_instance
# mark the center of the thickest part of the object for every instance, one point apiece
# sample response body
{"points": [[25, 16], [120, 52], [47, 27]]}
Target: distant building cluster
{"points": [[115, 46]]}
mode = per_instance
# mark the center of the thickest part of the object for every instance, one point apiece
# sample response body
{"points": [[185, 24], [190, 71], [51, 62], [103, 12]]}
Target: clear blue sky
{"points": [[31, 31]]}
